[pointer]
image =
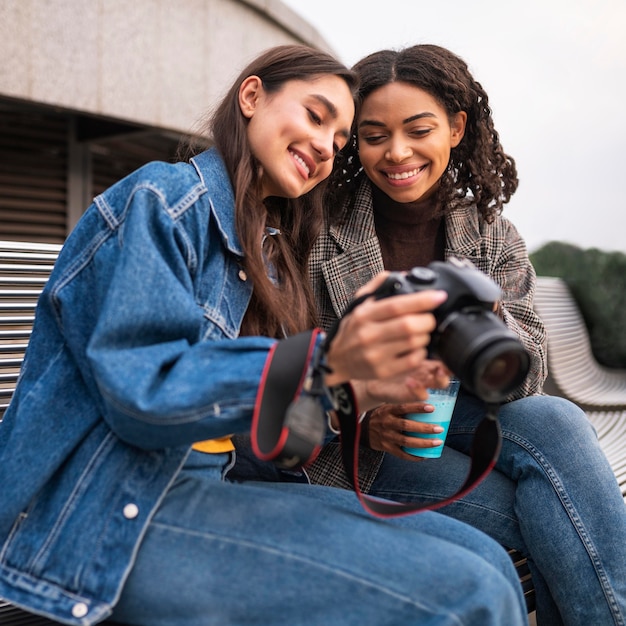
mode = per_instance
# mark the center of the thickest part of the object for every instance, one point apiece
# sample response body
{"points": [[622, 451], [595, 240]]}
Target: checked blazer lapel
{"points": [[348, 254], [357, 256]]}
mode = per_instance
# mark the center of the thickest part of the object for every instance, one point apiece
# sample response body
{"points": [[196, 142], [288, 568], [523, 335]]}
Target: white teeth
{"points": [[301, 161], [403, 175]]}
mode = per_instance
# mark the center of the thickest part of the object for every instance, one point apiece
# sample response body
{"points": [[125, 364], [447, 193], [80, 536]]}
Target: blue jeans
{"points": [[571, 513], [572, 517], [552, 496], [286, 553]]}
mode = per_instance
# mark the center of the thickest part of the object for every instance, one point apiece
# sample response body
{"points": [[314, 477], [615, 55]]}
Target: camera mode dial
{"points": [[421, 276]]}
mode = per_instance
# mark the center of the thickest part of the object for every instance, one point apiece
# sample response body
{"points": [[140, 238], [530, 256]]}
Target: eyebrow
{"points": [[408, 120], [332, 109]]}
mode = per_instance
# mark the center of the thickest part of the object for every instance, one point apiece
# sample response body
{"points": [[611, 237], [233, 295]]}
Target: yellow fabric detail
{"points": [[215, 446]]}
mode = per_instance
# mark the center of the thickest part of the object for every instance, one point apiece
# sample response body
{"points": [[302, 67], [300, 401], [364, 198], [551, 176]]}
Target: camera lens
{"points": [[486, 356], [499, 370]]}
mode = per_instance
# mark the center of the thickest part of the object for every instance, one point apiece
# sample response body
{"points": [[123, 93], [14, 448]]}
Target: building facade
{"points": [[91, 90]]}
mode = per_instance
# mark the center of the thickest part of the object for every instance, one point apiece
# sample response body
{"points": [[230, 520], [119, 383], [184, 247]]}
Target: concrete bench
{"points": [[24, 270], [575, 374], [574, 371]]}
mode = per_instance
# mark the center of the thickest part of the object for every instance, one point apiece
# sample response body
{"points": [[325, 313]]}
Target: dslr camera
{"points": [[470, 339]]}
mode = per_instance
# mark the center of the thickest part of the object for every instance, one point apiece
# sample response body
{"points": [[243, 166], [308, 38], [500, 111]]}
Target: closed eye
{"points": [[374, 139], [315, 117]]}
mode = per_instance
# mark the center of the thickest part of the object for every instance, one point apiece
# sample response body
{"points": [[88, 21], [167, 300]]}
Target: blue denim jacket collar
{"points": [[213, 174]]}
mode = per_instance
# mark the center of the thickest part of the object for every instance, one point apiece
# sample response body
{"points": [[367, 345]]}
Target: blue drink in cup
{"points": [[443, 400]]}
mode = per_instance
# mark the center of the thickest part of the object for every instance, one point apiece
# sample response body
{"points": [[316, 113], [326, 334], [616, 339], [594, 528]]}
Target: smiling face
{"points": [[405, 138], [296, 132]]}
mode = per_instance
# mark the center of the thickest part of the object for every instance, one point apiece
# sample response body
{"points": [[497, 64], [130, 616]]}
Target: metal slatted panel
{"points": [[572, 365], [115, 157], [33, 174], [12, 616], [24, 270]]}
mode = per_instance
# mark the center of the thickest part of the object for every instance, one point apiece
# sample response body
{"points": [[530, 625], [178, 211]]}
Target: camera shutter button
{"points": [[422, 275]]}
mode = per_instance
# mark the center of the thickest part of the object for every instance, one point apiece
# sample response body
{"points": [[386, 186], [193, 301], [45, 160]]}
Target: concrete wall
{"points": [[157, 62]]}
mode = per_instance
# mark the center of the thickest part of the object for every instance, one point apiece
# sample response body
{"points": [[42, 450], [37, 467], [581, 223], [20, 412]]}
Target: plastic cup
{"points": [[443, 400]]}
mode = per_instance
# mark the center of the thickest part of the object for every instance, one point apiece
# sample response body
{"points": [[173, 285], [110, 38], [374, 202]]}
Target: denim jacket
{"points": [[131, 360]]}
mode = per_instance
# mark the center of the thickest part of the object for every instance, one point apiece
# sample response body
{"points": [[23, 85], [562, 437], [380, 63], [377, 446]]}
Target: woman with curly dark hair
{"points": [[425, 178]]}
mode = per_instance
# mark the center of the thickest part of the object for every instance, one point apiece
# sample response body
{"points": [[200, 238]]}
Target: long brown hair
{"points": [[285, 306], [479, 172]]}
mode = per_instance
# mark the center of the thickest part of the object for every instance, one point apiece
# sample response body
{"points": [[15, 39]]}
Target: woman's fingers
{"points": [[384, 338], [387, 429], [396, 306], [374, 392]]}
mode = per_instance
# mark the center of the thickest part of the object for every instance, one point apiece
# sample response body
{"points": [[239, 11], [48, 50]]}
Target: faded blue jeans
{"points": [[565, 511], [552, 496], [284, 554]]}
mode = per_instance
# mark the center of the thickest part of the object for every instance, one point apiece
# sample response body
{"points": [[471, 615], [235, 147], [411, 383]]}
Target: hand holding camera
{"points": [[470, 340], [382, 341]]}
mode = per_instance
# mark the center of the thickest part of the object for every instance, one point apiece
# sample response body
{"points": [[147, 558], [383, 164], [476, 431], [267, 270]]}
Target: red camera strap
{"points": [[484, 454], [289, 423]]}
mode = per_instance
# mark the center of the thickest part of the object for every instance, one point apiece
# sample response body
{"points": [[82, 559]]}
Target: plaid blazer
{"points": [[348, 254]]}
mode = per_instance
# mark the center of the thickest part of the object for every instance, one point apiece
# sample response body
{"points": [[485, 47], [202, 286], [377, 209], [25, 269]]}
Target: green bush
{"points": [[597, 280]]}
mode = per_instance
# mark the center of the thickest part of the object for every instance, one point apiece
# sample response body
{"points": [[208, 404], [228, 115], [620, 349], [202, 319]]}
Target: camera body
{"points": [[470, 339]]}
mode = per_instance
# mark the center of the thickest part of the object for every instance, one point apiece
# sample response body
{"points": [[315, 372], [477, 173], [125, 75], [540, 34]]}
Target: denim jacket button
{"points": [[80, 609], [243, 275], [131, 511]]}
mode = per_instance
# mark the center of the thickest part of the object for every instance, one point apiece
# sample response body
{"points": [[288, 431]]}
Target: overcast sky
{"points": [[555, 72]]}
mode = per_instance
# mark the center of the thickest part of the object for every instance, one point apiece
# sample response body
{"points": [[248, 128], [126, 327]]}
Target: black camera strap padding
{"points": [[281, 385], [291, 442]]}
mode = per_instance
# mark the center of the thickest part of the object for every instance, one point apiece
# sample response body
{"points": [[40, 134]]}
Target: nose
{"points": [[398, 150], [324, 144]]}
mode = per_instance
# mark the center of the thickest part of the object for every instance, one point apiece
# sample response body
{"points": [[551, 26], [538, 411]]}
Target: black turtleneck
{"points": [[410, 234]]}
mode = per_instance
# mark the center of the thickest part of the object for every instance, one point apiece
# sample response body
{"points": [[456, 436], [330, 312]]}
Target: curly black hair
{"points": [[479, 172]]}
